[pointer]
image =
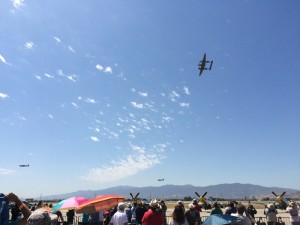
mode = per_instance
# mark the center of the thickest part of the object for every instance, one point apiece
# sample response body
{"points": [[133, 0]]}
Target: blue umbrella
{"points": [[219, 219]]}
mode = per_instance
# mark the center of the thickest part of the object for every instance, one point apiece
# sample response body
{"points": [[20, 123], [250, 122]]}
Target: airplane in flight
{"points": [[24, 165], [161, 179], [202, 65]]}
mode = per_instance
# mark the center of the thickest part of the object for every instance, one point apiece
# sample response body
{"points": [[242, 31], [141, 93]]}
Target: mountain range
{"points": [[225, 191]]}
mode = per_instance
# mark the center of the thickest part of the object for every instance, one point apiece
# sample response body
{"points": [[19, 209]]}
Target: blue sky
{"points": [[95, 94]]}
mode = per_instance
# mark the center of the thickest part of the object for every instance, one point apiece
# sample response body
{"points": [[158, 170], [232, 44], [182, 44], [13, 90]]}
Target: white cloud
{"points": [[2, 59], [174, 96], [57, 39], [167, 118], [90, 100], [29, 45], [122, 168], [17, 3], [50, 116], [108, 69], [71, 49], [184, 104], [136, 105], [99, 67], [75, 105], [48, 75], [72, 77], [95, 139], [186, 90], [5, 171], [60, 73], [143, 94], [38, 77], [3, 95]]}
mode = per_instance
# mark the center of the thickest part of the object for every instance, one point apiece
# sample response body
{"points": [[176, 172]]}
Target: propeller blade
{"points": [[137, 194], [131, 195], [282, 194], [204, 194], [197, 194], [274, 193]]}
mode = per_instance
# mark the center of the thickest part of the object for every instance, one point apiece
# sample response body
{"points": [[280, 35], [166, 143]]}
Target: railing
{"points": [[286, 220]]}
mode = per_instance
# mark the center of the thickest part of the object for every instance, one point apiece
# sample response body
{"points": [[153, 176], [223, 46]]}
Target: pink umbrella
{"points": [[69, 203]]}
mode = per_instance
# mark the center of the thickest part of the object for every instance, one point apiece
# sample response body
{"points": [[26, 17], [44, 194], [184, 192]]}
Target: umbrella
{"points": [[69, 203], [219, 219], [102, 202]]}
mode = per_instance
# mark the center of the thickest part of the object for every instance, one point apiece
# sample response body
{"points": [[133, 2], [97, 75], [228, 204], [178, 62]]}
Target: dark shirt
{"points": [[70, 216]]}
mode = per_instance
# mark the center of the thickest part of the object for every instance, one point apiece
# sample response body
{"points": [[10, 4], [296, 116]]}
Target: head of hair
{"points": [[178, 214], [240, 208]]}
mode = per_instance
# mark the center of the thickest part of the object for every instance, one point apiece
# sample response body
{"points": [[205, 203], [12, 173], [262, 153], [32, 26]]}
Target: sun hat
{"points": [[191, 206], [154, 203], [121, 206], [41, 217]]}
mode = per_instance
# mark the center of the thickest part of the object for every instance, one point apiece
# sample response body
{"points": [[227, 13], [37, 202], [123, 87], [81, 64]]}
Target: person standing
{"points": [[178, 217], [11, 197], [192, 215], [152, 216], [271, 214], [119, 218], [244, 220], [293, 210], [139, 212], [216, 209], [70, 216], [128, 212], [250, 212], [164, 209]]}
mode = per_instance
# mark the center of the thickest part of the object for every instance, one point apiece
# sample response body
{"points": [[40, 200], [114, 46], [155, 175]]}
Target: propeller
{"points": [[134, 198], [279, 197], [202, 198]]}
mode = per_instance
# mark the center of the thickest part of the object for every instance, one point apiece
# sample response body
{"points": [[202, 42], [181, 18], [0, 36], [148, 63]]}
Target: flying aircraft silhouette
{"points": [[202, 64], [23, 165], [161, 179]]}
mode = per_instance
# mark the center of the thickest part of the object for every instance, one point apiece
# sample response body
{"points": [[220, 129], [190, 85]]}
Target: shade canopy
{"points": [[102, 202], [69, 203], [219, 219]]}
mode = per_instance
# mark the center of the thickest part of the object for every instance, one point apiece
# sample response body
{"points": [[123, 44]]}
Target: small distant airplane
{"points": [[202, 64], [161, 179], [23, 165]]}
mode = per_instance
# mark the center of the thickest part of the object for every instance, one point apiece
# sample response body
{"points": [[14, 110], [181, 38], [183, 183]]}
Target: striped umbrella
{"points": [[69, 203], [102, 202]]}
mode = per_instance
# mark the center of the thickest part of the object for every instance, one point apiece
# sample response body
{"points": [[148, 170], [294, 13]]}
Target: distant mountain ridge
{"points": [[228, 191]]}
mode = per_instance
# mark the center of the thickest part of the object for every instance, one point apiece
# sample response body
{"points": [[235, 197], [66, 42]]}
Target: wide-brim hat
{"points": [[154, 203]]}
